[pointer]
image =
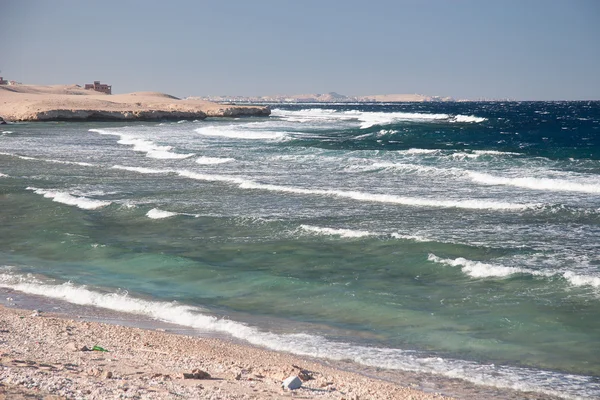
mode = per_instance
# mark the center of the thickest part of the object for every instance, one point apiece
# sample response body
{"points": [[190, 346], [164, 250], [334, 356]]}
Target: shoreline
{"points": [[47, 353], [147, 358], [72, 103]]}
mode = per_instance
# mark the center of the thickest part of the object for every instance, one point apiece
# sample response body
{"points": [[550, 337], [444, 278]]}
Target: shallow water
{"points": [[456, 238]]}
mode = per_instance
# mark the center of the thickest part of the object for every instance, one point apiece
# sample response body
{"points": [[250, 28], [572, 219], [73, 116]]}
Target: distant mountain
{"points": [[331, 97]]}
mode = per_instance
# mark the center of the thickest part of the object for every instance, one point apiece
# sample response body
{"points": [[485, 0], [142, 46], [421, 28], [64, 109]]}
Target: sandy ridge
{"points": [[71, 102]]}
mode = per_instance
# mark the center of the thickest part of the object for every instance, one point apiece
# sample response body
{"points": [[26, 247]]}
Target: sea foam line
{"points": [[546, 184], [354, 195], [213, 160], [68, 199], [368, 119], [234, 132], [83, 164], [478, 269], [526, 379], [151, 149], [353, 233]]}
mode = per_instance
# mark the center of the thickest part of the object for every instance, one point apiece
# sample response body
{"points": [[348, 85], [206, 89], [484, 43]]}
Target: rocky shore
{"points": [[72, 103], [52, 357]]}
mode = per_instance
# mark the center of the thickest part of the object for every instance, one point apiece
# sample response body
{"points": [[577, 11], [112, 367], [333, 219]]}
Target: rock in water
{"points": [[292, 383]]}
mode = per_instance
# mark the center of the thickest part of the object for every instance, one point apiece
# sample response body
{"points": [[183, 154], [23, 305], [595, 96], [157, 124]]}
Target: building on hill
{"points": [[2, 81], [99, 87]]}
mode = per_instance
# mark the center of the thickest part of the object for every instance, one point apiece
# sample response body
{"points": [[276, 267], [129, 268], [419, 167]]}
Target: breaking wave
{"points": [[213, 160], [554, 185], [478, 269], [525, 379], [71, 200], [367, 119], [354, 195], [244, 132], [352, 233], [151, 149]]}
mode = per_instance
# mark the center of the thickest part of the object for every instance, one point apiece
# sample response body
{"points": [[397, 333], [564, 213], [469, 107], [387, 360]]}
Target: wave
{"points": [[478, 269], [157, 213], [141, 170], [346, 233], [232, 132], [3, 175], [151, 149], [467, 118], [213, 160], [354, 195], [367, 119], [303, 344], [83, 164], [71, 200], [554, 185], [392, 199], [352, 233]]}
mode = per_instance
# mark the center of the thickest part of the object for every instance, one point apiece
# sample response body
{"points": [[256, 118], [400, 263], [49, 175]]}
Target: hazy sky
{"points": [[521, 49]]}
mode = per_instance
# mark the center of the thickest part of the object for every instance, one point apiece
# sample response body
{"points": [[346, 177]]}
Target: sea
{"points": [[456, 240]]}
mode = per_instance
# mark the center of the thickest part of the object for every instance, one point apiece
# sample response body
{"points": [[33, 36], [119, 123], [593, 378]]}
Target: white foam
{"points": [[478, 269], [467, 118], [84, 164], [68, 199], [213, 160], [346, 233], [151, 149], [235, 132], [419, 151], [554, 185], [366, 119], [155, 213], [354, 195], [7, 132], [392, 199], [581, 280], [571, 386], [140, 170], [3, 175], [353, 233]]}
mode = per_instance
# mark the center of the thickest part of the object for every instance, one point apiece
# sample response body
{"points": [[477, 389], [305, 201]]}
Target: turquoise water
{"points": [[456, 238]]}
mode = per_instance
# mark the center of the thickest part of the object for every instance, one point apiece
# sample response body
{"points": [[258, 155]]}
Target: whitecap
{"points": [[467, 118], [156, 213], [232, 132], [478, 269], [345, 233], [71, 200], [554, 185], [213, 160], [141, 170], [151, 149]]}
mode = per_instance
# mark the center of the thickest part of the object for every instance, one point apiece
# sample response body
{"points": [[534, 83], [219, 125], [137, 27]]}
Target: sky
{"points": [[466, 49]]}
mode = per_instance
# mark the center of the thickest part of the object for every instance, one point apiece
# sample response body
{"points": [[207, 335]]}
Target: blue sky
{"points": [[526, 49]]}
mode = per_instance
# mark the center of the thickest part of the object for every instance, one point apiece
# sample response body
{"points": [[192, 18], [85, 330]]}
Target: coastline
{"points": [[41, 342], [21, 103], [42, 356]]}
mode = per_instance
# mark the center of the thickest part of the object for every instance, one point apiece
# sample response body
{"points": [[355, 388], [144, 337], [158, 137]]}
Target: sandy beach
{"points": [[51, 356], [72, 102]]}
